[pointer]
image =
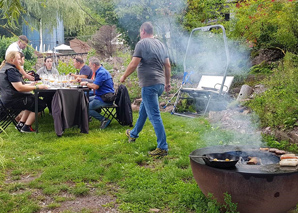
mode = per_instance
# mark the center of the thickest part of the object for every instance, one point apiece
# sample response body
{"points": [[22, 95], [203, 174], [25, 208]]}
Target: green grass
{"points": [[103, 163]]}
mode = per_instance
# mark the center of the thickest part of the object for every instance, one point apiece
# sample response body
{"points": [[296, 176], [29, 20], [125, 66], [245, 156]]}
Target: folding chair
{"points": [[109, 111], [210, 87], [7, 116], [213, 80]]}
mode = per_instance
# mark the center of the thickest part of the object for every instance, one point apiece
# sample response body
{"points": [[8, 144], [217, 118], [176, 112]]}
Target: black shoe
{"points": [[19, 126], [104, 123], [27, 129]]}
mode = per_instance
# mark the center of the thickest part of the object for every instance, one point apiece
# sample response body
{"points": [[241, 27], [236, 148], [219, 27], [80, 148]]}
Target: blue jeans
{"points": [[94, 104], [150, 108]]}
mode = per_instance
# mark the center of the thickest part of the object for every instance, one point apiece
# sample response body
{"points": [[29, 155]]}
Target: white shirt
{"points": [[13, 47]]}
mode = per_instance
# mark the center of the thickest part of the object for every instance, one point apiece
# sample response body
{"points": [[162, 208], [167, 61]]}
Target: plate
{"points": [[76, 86]]}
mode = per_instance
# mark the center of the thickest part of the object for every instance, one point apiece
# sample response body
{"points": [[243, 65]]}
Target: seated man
{"points": [[16, 94], [85, 71], [104, 89]]}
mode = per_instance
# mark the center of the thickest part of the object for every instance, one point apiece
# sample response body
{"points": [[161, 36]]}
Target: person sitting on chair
{"points": [[104, 91], [85, 71], [46, 70], [16, 94], [48, 67]]}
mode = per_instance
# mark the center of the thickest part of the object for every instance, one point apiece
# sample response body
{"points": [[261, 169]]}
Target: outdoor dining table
{"points": [[51, 90]]}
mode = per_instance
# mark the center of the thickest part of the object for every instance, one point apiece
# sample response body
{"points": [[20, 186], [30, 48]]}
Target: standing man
{"points": [[85, 71], [104, 91], [19, 46], [154, 71]]}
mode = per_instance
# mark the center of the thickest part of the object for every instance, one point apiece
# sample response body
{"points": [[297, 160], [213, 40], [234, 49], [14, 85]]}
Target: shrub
{"points": [[265, 24], [66, 68], [278, 106], [30, 58]]}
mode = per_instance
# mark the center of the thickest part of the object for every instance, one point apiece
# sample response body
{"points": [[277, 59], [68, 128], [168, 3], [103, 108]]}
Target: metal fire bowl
{"points": [[255, 188]]}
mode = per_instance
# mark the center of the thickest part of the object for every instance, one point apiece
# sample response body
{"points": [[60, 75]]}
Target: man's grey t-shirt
{"points": [[151, 67]]}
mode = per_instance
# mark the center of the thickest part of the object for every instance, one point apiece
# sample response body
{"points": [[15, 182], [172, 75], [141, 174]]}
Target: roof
{"points": [[63, 47], [79, 46]]}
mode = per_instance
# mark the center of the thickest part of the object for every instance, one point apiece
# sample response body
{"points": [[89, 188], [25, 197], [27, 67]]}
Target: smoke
{"points": [[204, 52], [231, 127]]}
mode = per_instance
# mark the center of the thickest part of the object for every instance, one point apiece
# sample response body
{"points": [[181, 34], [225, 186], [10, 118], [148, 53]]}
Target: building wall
{"points": [[50, 38]]}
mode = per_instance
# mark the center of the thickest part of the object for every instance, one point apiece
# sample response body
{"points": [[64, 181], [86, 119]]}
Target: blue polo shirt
{"points": [[105, 82]]}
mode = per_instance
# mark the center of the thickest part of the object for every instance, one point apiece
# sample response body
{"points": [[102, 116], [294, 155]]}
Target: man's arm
{"points": [[90, 85], [84, 79], [131, 68], [27, 87], [79, 76], [167, 75], [26, 75]]}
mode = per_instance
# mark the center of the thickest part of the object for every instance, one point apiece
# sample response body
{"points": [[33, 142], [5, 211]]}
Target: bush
{"points": [[4, 43], [30, 58], [66, 68], [278, 106], [265, 24]]}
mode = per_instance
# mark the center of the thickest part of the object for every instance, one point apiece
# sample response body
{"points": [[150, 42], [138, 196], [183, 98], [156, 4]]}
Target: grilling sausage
{"points": [[280, 152], [273, 150], [288, 162], [288, 156]]}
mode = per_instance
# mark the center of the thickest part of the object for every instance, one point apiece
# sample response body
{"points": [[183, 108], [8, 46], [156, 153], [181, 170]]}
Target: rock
{"points": [[294, 136], [169, 108], [267, 131], [260, 88], [135, 107], [245, 92], [154, 210], [137, 101], [267, 56], [162, 104], [245, 112]]}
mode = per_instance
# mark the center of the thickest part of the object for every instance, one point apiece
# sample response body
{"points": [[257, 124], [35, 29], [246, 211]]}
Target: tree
{"points": [[11, 11], [104, 9], [42, 14], [266, 24], [102, 41], [165, 16], [200, 12], [77, 18]]}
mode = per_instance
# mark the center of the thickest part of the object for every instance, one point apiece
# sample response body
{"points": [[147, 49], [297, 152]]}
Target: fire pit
{"points": [[255, 188]]}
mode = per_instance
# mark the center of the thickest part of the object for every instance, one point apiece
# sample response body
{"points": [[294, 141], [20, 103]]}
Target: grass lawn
{"points": [[41, 172]]}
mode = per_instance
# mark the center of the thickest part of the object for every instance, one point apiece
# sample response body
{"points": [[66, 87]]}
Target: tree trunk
{"points": [[40, 36]]}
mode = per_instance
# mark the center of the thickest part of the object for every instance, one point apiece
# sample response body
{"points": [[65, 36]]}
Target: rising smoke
{"points": [[202, 53]]}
